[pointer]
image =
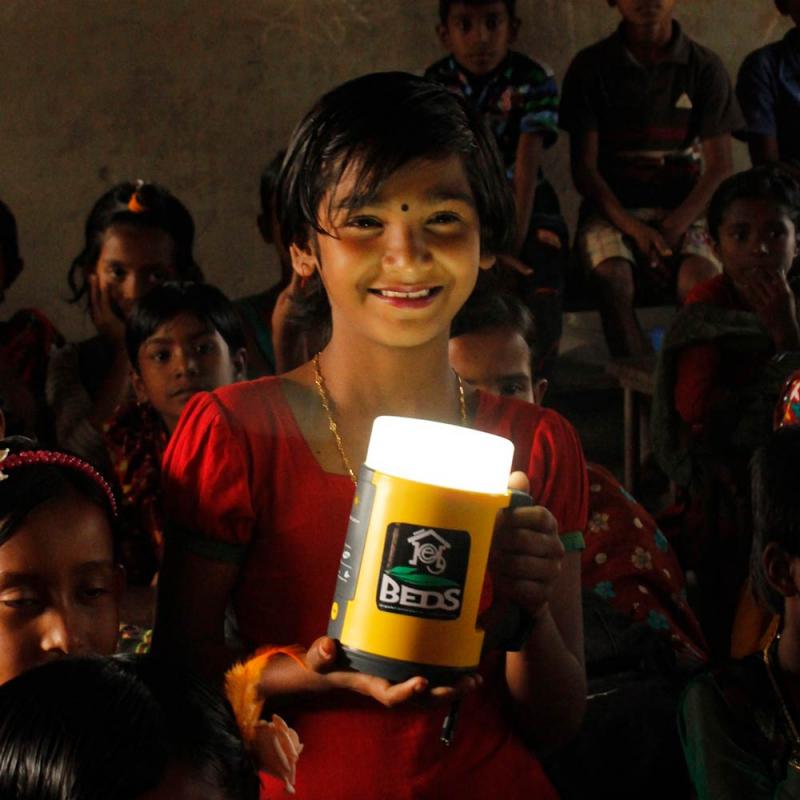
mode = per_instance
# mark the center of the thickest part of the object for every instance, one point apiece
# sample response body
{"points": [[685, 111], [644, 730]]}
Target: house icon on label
{"points": [[429, 550]]}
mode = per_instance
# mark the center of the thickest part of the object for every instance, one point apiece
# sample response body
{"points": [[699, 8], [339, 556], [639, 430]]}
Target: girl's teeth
{"points": [[406, 295]]}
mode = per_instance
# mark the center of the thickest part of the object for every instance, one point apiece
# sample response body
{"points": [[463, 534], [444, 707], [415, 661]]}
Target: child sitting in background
{"points": [[394, 197], [26, 341], [649, 113], [739, 723], [634, 592], [723, 362], [119, 729], [769, 94], [137, 236], [518, 98], [60, 586], [181, 339]]}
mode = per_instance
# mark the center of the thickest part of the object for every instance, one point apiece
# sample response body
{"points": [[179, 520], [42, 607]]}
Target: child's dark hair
{"points": [[140, 205], [9, 246], [166, 301], [26, 487], [268, 185], [376, 124], [444, 7], [776, 506], [766, 182], [490, 306], [109, 729]]}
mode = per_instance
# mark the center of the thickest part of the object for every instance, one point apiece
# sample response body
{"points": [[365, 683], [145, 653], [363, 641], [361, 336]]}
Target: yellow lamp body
{"points": [[411, 576]]}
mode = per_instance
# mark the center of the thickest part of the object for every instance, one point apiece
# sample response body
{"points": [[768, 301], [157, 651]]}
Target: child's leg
{"points": [[611, 262], [698, 260]]}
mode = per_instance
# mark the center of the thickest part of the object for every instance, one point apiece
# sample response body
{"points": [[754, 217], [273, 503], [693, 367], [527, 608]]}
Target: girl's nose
{"points": [[186, 363], [404, 248], [61, 632]]}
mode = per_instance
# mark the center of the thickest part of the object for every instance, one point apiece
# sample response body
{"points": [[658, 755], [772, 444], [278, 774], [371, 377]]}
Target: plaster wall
{"points": [[199, 94]]}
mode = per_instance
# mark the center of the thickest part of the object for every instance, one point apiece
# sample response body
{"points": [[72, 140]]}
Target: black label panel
{"points": [[423, 571]]}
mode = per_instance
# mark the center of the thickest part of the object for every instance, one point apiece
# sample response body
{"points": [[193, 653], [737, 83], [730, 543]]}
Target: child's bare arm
{"points": [[763, 149], [718, 166], [526, 172], [193, 594], [547, 678], [591, 184]]}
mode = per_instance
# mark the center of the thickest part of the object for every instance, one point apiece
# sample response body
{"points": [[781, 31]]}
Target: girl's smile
{"points": [[408, 254]]}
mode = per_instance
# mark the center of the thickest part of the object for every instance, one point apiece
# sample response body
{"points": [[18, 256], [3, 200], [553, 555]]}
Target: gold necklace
{"points": [[779, 694], [334, 428]]}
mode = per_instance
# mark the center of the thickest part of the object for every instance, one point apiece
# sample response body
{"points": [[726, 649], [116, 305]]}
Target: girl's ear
{"points": [[239, 361], [539, 390], [487, 261], [138, 386], [304, 260], [444, 36], [779, 568]]}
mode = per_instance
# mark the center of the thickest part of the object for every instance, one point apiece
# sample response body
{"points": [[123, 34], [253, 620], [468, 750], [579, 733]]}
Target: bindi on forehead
{"points": [[404, 207]]}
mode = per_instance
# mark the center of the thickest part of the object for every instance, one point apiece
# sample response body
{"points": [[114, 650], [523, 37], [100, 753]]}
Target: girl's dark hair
{"points": [[108, 729], [490, 306], [444, 7], [766, 182], [376, 124], [776, 506], [9, 246], [165, 302], [26, 487], [156, 208]]}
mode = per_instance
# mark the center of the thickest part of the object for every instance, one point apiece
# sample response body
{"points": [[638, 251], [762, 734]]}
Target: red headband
{"points": [[9, 460]]}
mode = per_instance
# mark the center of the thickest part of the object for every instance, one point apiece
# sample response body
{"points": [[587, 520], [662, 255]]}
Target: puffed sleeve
{"points": [[207, 482], [557, 473]]}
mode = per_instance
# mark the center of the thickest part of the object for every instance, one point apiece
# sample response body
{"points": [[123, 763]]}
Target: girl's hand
{"points": [[284, 676], [105, 316], [526, 555], [773, 301]]}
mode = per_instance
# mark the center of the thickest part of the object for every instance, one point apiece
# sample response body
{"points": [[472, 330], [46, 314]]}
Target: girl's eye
{"points": [[21, 602], [160, 356], [117, 273], [444, 218], [92, 593], [205, 348], [363, 223], [511, 388]]}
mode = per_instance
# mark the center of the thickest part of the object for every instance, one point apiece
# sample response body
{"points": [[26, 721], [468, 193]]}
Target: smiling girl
{"points": [[393, 197], [137, 236]]}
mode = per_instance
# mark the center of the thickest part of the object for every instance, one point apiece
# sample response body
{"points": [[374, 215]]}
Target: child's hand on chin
{"points": [[283, 675], [526, 557]]}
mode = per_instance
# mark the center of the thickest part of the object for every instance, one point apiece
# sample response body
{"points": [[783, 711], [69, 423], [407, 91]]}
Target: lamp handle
{"points": [[512, 631]]}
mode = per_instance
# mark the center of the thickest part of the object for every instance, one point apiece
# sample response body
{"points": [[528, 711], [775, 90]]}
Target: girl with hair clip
{"points": [[60, 585], [393, 197], [136, 236]]}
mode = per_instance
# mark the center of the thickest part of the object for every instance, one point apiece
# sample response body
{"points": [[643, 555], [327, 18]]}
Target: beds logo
{"points": [[423, 571]]}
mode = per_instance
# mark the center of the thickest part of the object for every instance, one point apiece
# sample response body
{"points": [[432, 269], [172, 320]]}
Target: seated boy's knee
{"points": [[614, 276]]}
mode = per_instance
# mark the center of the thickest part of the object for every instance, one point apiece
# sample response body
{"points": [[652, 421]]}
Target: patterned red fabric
{"points": [[630, 564]]}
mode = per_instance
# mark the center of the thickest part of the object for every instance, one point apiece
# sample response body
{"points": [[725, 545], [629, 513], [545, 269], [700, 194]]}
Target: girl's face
{"points": [[755, 235], [59, 586], [184, 356], [131, 261], [399, 264]]}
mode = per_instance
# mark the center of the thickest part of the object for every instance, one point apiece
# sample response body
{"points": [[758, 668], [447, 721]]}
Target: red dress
{"points": [[240, 477]]}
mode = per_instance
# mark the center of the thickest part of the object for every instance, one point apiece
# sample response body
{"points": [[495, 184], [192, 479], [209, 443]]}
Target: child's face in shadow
{"points": [[645, 13], [756, 237], [182, 357], [59, 586], [398, 264], [131, 261], [496, 361], [478, 36]]}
